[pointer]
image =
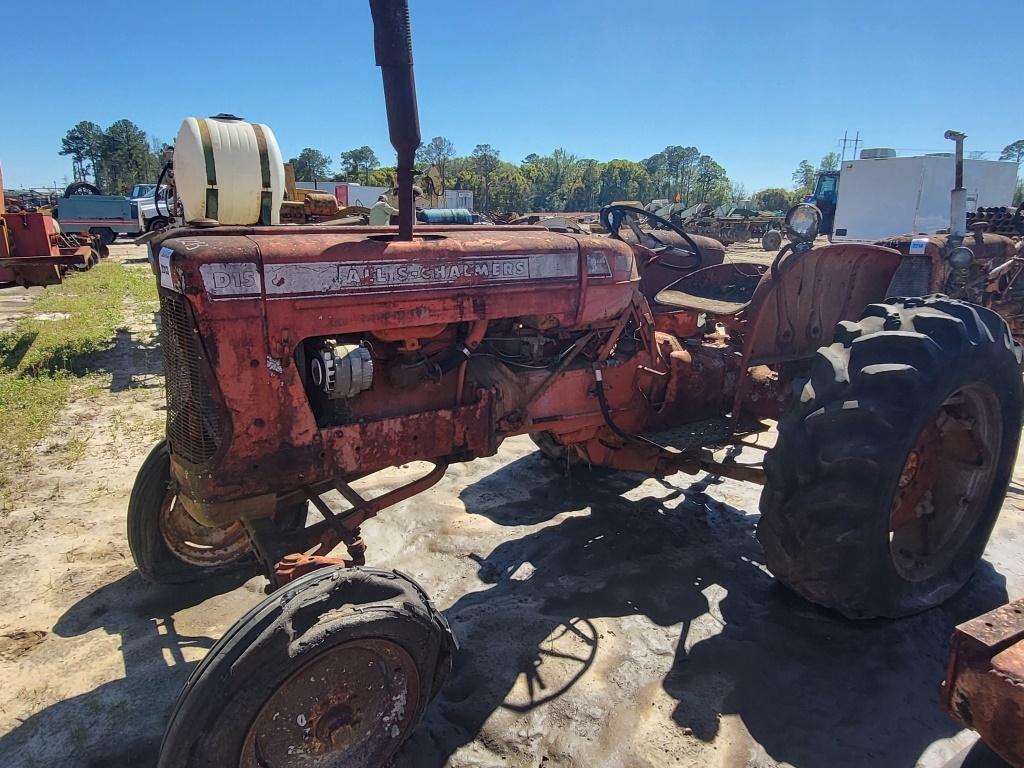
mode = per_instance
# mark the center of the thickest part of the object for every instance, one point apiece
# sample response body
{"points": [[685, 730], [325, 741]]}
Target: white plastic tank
{"points": [[229, 170]]}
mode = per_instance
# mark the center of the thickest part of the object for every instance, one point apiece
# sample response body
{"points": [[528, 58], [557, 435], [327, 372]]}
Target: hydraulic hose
{"points": [[156, 192], [454, 360]]}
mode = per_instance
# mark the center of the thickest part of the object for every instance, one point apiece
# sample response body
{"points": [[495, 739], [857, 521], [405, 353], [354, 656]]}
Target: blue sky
{"points": [[758, 85]]}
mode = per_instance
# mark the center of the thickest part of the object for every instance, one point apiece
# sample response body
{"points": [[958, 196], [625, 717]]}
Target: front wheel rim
{"points": [[197, 544], [944, 486], [353, 704]]}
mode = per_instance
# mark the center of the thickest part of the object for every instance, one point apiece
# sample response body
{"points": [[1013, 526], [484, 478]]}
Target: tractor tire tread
{"points": [[843, 440], [305, 617]]}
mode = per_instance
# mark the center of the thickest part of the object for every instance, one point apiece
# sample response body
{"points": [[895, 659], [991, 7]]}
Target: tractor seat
{"points": [[722, 289]]}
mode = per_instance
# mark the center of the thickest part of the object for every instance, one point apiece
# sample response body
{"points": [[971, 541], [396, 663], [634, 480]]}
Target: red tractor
{"points": [[33, 250], [301, 358]]}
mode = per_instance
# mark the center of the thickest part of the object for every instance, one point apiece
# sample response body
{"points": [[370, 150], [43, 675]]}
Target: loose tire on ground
{"points": [[335, 668], [771, 240], [170, 548], [890, 469]]}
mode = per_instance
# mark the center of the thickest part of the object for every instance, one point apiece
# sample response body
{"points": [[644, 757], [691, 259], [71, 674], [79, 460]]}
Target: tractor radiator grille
{"points": [[912, 278], [193, 420]]}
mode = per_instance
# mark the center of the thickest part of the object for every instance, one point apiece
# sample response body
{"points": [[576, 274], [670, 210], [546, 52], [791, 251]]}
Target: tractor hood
{"points": [[360, 279]]}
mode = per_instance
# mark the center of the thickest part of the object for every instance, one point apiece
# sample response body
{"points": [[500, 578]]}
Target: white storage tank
{"points": [[228, 170]]}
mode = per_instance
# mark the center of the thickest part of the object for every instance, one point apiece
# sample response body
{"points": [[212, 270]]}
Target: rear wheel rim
{"points": [[351, 705], [944, 486], [197, 544]]}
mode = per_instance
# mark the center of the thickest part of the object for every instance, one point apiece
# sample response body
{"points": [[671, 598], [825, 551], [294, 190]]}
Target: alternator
{"points": [[341, 370]]}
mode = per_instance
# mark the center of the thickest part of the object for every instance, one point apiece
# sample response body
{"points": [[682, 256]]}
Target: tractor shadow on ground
{"points": [[810, 687], [131, 362], [120, 722]]}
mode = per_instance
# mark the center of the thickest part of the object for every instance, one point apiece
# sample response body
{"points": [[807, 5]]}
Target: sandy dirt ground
{"points": [[14, 302], [604, 619]]}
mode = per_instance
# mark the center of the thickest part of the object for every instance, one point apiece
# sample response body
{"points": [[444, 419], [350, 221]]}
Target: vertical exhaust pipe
{"points": [[958, 195], [392, 44]]}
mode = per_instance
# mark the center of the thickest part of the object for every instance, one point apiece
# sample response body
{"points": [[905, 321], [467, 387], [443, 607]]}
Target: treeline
{"points": [[115, 158], [560, 181], [121, 155]]}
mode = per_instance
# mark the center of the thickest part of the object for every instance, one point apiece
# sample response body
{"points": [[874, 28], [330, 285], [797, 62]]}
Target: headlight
{"points": [[803, 221], [961, 257]]}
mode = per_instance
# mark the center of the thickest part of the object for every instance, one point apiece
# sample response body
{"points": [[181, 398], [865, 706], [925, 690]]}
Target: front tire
{"points": [[890, 470], [334, 669], [169, 547]]}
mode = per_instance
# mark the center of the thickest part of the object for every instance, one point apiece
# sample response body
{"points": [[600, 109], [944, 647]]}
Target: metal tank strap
{"points": [[266, 197], [211, 169]]}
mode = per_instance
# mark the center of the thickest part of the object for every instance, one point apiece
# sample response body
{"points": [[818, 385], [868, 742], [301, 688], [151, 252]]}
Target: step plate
{"points": [[699, 434]]}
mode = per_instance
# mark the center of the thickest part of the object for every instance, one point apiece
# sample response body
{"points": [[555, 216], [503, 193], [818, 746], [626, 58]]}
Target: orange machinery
{"points": [[33, 250]]}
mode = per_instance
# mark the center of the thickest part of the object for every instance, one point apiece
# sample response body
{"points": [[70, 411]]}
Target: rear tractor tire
{"points": [[334, 669], [169, 546], [891, 467]]}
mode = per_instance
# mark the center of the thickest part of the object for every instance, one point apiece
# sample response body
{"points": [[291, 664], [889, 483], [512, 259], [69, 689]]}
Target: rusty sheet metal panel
{"points": [[33, 252], [984, 686], [797, 305], [373, 445], [31, 234], [924, 268], [251, 316], [701, 384], [459, 433]]}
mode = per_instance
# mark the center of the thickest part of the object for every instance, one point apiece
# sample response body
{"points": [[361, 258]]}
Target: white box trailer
{"points": [[347, 193], [891, 196]]}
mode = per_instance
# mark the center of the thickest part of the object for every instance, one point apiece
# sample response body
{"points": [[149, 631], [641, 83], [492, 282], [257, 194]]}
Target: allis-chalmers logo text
{"points": [[352, 276], [348, 276]]}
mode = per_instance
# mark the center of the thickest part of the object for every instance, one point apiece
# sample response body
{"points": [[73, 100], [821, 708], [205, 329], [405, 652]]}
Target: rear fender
{"points": [[799, 301]]}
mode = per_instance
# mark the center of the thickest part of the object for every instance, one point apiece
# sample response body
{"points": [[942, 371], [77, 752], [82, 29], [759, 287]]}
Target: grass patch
{"points": [[89, 308], [40, 358], [27, 407], [141, 287]]}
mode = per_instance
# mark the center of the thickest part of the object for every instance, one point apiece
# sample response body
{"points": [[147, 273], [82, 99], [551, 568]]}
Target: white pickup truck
{"points": [[155, 206]]}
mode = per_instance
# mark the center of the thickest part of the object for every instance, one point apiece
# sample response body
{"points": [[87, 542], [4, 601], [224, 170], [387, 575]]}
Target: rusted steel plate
{"points": [[984, 687], [796, 307]]}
